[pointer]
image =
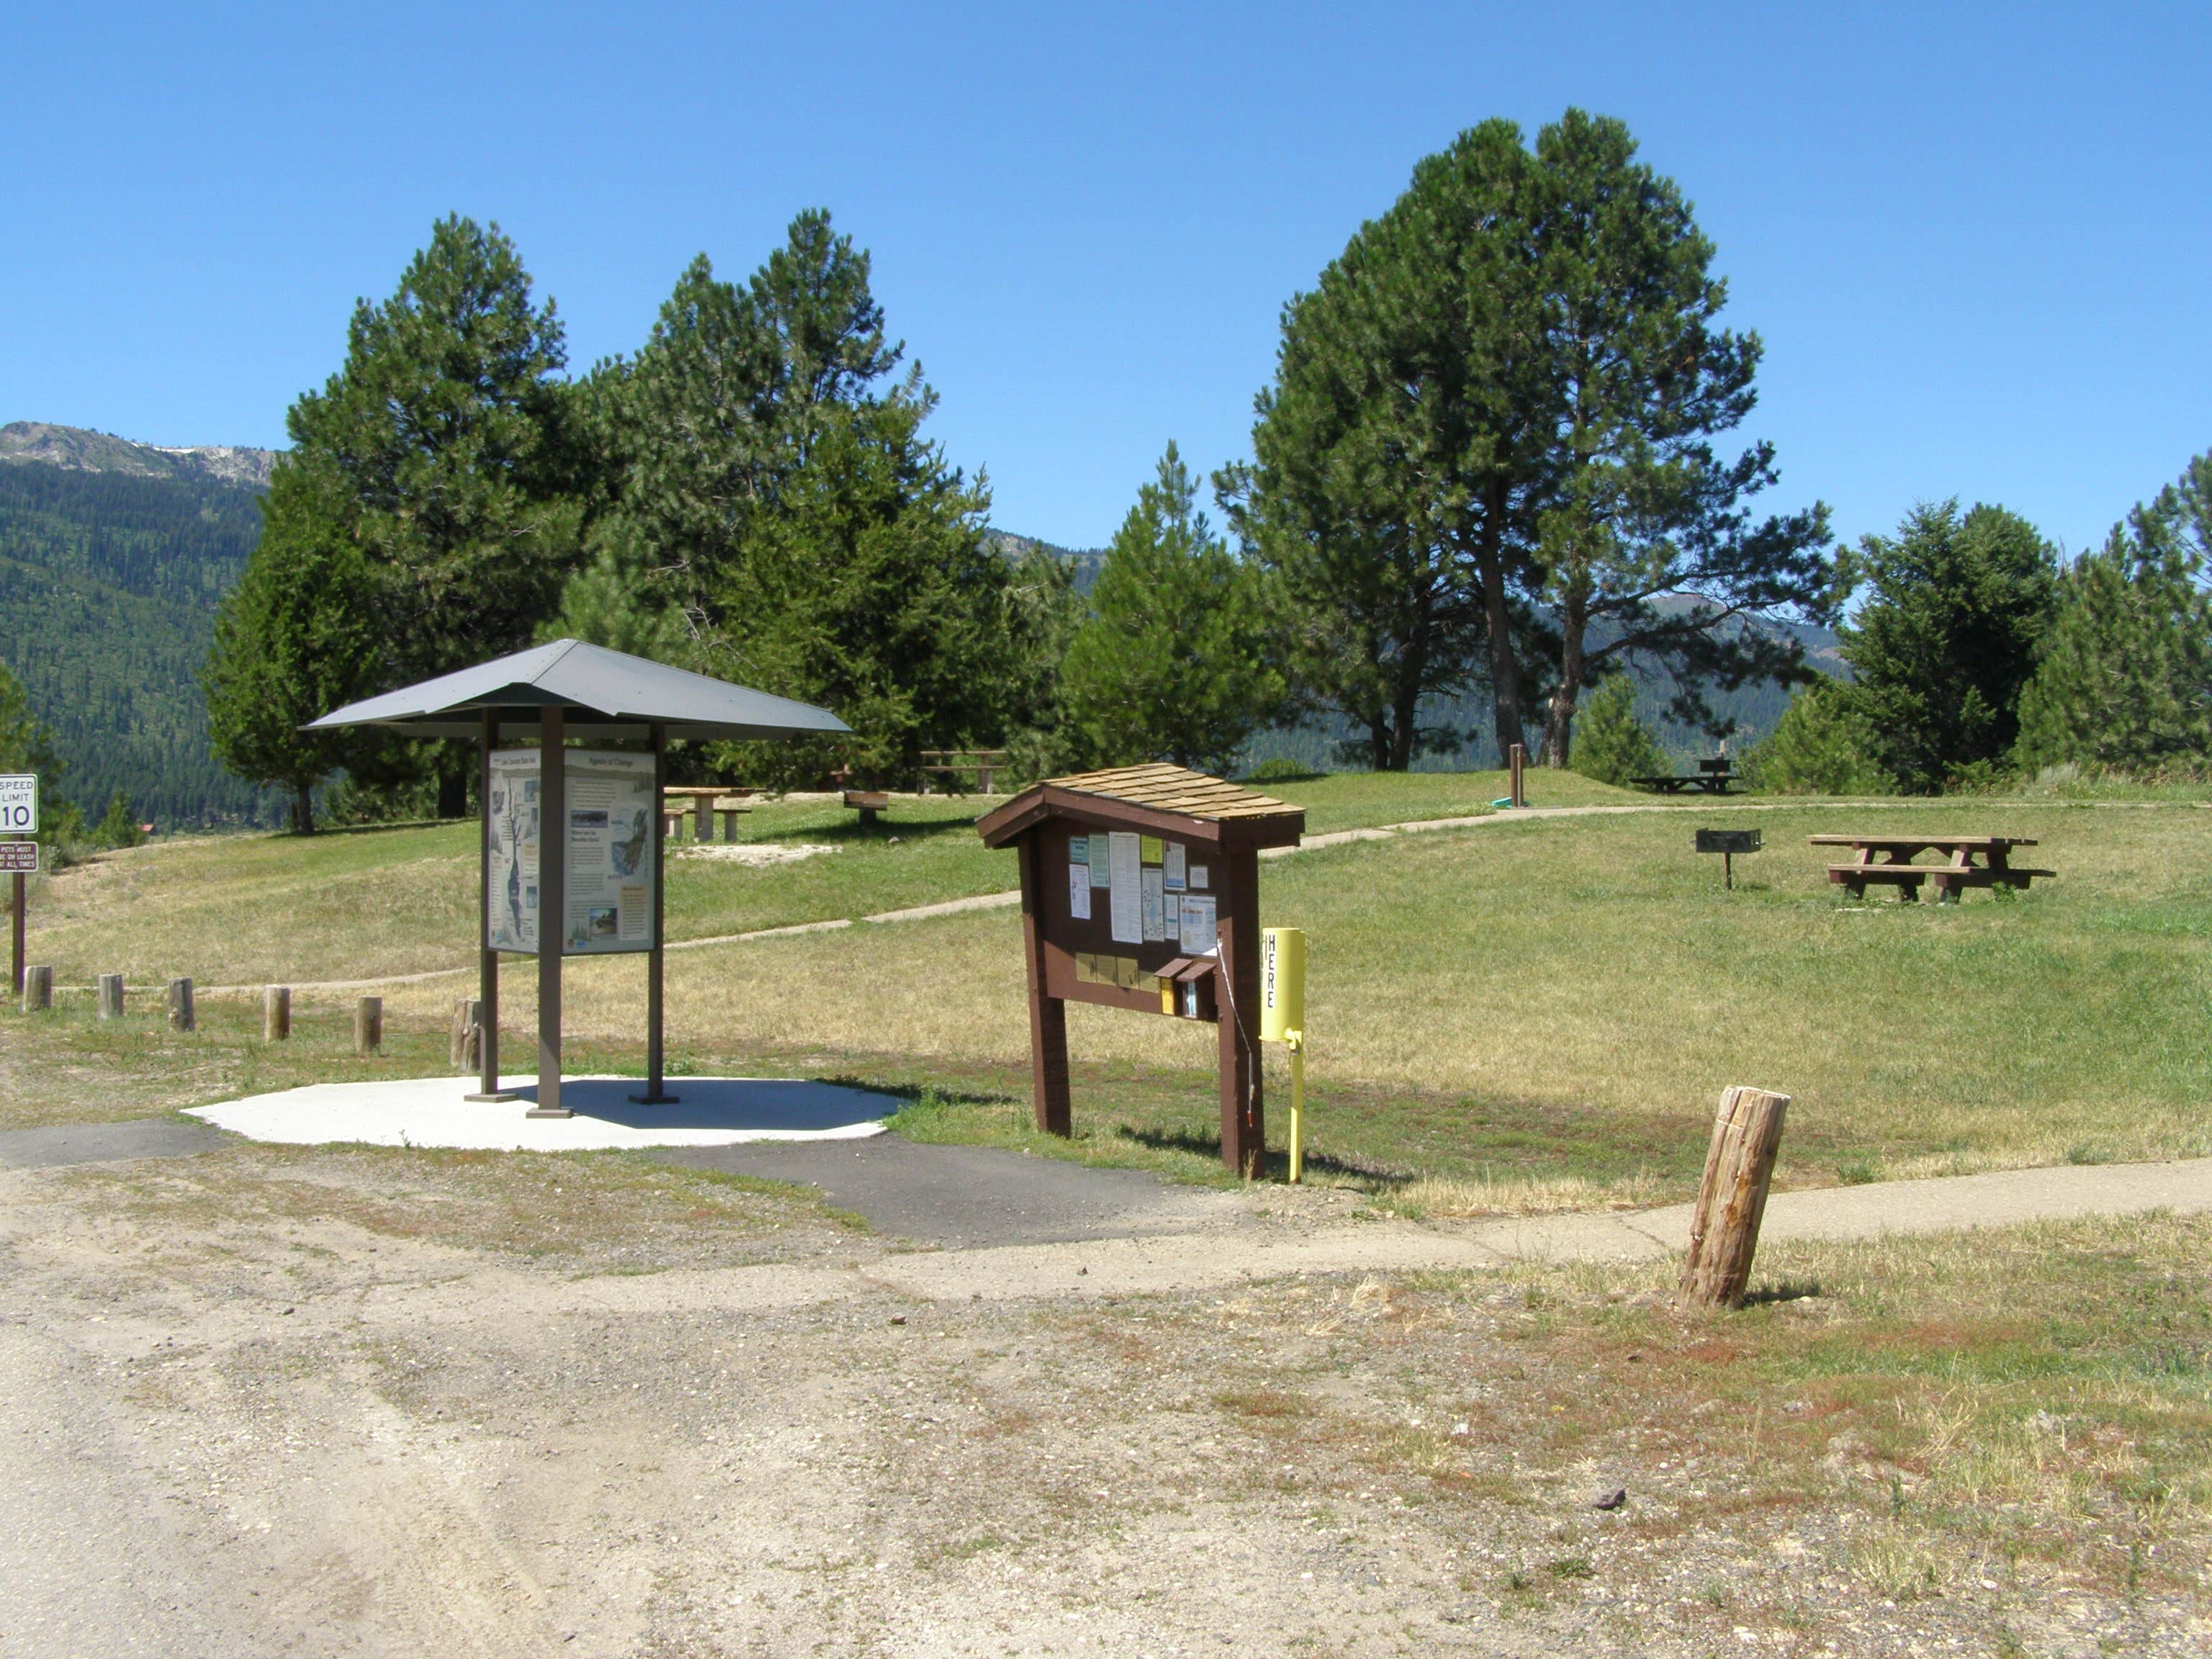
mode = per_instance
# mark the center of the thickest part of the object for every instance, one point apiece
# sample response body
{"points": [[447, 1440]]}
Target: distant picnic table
{"points": [[948, 762], [1887, 860], [704, 800], [1712, 777]]}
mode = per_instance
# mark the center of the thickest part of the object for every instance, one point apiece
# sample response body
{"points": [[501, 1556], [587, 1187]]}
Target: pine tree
{"points": [[2123, 678], [775, 514], [1646, 547], [1177, 659], [297, 637], [449, 436], [1821, 746], [1610, 744], [1941, 651]]}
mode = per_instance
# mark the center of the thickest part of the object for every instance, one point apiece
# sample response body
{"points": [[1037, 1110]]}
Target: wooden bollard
{"points": [[468, 1035], [276, 1013], [108, 993], [181, 1017], [1732, 1200], [37, 988], [368, 1025]]}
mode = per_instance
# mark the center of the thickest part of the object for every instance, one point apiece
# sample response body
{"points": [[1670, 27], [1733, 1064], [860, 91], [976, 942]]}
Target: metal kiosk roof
{"points": [[1176, 839], [554, 692]]}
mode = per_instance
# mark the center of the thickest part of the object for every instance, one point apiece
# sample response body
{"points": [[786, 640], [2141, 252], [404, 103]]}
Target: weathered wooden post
{"points": [[368, 1025], [181, 1016], [37, 988], [1517, 761], [1732, 1200], [276, 1013], [468, 1034], [109, 1003]]}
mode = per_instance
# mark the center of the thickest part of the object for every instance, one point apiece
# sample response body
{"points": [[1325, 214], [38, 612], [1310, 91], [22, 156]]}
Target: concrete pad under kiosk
{"points": [[714, 1111]]}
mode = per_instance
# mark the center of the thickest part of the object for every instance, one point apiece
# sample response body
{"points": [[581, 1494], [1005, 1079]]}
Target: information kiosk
{"points": [[1140, 890], [599, 883]]}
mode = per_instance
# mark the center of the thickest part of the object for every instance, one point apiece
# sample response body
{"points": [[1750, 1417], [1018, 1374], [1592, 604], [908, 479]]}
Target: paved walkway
{"points": [[1012, 1225]]}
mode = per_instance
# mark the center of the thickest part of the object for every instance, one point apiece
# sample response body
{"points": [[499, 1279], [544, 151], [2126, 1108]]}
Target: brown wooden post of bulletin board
{"points": [[1140, 890]]}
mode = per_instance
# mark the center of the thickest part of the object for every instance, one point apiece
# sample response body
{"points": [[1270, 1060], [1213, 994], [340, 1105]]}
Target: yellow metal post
{"points": [[1282, 1020]]}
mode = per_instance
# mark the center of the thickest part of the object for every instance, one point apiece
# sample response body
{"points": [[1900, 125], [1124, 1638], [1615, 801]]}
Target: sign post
{"points": [[19, 856], [1728, 843]]}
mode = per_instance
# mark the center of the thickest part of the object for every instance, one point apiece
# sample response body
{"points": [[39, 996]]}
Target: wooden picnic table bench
{"points": [[728, 799], [1887, 860], [947, 763], [868, 802], [1712, 778]]}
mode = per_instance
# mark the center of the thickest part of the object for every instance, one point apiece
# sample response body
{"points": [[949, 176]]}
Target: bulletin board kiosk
{"points": [[571, 839], [1140, 890]]}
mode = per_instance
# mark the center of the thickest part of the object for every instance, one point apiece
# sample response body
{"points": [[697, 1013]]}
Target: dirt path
{"points": [[272, 1407]]}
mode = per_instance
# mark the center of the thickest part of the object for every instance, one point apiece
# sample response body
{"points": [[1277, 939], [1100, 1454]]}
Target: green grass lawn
{"points": [[1515, 1013]]}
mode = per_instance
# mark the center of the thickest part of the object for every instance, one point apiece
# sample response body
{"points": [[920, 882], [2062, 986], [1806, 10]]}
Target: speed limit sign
{"points": [[19, 803]]}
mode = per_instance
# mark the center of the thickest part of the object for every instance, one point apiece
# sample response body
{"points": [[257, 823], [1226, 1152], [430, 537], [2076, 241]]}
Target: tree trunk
{"points": [[1401, 735], [1504, 671], [1378, 744], [453, 793], [303, 811], [1559, 720]]}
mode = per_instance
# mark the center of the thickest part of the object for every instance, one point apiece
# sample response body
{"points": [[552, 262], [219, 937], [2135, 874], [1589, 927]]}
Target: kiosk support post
{"points": [[1048, 1014], [552, 905], [1243, 1118], [655, 1002], [487, 958]]}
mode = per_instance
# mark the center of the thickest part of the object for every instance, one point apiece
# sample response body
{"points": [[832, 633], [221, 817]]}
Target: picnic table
{"points": [[1712, 777], [946, 763], [704, 800], [1887, 860]]}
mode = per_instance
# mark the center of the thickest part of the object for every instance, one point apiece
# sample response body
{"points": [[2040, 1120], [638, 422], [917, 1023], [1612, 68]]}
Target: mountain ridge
{"points": [[81, 449]]}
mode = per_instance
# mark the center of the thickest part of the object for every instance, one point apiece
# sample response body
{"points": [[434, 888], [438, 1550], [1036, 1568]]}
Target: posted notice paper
{"points": [[1156, 924], [1177, 854], [1078, 891], [1126, 899], [1198, 932]]}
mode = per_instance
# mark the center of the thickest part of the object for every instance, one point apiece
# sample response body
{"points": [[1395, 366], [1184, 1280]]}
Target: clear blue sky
{"points": [[1976, 240]]}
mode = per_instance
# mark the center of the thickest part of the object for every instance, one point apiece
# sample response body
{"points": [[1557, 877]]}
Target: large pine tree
{"points": [[1940, 651], [2123, 678], [773, 514], [441, 456]]}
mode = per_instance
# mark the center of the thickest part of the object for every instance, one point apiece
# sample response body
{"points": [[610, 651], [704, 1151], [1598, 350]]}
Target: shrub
{"points": [[1611, 746]]}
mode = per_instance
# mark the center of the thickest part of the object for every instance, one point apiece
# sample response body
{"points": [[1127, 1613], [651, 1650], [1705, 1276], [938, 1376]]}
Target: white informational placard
{"points": [[608, 877], [1125, 895], [18, 804], [1200, 932]]}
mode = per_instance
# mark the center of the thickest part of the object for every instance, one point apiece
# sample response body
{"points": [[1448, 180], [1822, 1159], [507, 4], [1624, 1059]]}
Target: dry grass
{"points": [[1521, 1016]]}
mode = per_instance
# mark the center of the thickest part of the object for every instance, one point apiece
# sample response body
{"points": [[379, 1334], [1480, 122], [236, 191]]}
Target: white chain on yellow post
{"points": [[1283, 1018]]}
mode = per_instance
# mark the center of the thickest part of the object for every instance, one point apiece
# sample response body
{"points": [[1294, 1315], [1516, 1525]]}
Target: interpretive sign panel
{"points": [[608, 873], [18, 804]]}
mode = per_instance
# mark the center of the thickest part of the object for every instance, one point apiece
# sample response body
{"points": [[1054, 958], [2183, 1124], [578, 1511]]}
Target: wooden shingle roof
{"points": [[1168, 798]]}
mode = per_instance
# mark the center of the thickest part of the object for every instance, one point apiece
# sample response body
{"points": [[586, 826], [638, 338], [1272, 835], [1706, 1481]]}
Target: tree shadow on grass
{"points": [[1787, 1290], [1199, 1144], [911, 1092]]}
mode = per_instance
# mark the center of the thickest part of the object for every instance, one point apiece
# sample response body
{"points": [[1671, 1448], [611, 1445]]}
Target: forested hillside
{"points": [[108, 585]]}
